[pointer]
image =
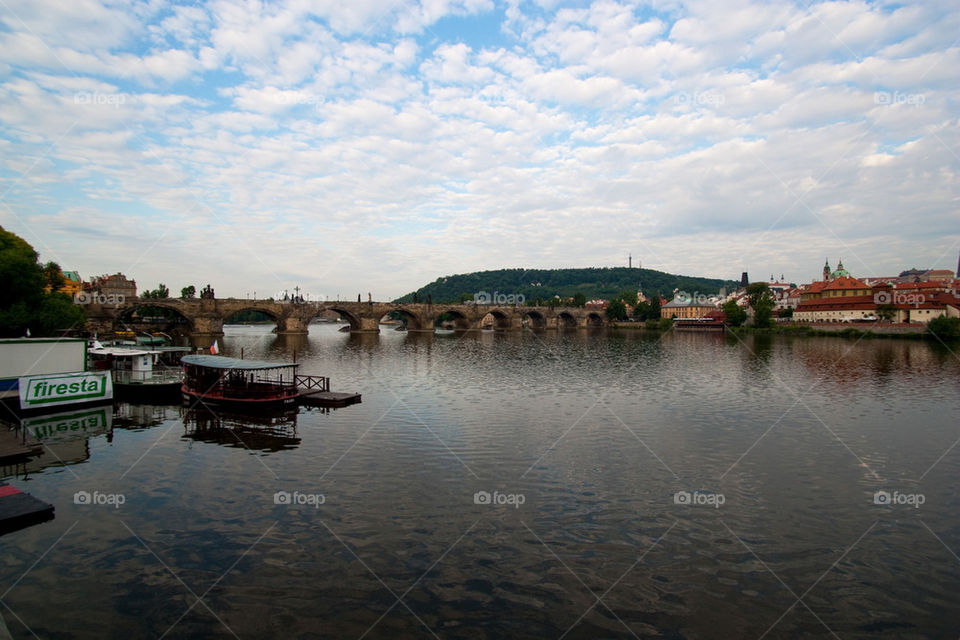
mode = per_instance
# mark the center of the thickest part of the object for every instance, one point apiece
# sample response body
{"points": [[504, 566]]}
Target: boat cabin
{"points": [[242, 383]]}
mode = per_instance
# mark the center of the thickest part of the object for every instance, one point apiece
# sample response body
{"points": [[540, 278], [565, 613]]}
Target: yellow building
{"points": [[72, 284]]}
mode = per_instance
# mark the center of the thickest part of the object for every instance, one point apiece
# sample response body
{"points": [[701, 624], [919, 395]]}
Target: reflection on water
{"points": [[609, 438], [268, 432]]}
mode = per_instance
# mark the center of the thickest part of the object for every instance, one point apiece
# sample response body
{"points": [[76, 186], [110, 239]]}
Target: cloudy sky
{"points": [[374, 145]]}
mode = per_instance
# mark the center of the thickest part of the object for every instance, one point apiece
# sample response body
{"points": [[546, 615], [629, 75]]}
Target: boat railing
{"points": [[312, 383], [156, 376]]}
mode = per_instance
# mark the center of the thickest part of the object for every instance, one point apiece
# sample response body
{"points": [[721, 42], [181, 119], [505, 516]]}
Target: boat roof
{"points": [[222, 362], [132, 351], [118, 351]]}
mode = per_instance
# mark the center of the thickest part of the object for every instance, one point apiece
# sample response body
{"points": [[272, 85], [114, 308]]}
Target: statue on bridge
{"points": [[207, 293]]}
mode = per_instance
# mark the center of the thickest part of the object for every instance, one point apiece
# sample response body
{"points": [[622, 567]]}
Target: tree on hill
{"points": [[593, 283], [23, 303], [629, 296]]}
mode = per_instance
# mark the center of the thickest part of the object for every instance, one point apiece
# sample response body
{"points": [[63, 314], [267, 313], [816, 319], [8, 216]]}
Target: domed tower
{"points": [[826, 270], [840, 271]]}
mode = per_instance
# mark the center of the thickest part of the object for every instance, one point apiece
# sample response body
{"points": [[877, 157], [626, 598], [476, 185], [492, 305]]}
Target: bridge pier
{"points": [[368, 324], [292, 325]]}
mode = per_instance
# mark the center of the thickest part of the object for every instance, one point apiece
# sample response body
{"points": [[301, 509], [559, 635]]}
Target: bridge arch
{"points": [[502, 320], [566, 320], [278, 321], [124, 315], [347, 315], [593, 320], [461, 321], [410, 319], [534, 320]]}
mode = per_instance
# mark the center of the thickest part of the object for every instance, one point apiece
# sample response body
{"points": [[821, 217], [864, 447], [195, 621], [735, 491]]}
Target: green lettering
{"points": [[61, 389], [74, 387]]}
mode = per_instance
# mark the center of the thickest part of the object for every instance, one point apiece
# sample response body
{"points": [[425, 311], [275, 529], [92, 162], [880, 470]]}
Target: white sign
{"points": [[65, 388]]}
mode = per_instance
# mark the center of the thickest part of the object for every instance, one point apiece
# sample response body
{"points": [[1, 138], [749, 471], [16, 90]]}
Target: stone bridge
{"points": [[204, 317]]}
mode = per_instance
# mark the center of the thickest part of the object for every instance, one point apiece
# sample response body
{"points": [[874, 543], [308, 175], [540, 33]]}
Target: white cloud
{"points": [[751, 135]]}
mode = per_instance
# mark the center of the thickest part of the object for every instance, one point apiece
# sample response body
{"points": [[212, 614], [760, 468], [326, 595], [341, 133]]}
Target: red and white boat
{"points": [[239, 384]]}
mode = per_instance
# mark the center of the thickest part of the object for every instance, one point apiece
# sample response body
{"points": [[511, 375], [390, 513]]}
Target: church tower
{"points": [[826, 270]]}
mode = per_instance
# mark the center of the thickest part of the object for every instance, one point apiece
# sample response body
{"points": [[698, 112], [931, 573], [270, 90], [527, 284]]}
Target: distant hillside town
{"points": [[913, 296]]}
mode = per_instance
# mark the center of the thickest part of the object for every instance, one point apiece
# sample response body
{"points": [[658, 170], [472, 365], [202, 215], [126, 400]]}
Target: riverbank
{"points": [[896, 331]]}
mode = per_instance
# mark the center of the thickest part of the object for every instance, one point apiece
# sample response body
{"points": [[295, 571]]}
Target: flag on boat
{"points": [[214, 349]]}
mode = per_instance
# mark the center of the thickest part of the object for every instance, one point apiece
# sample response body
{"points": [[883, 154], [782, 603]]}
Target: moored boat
{"points": [[239, 384], [144, 374]]}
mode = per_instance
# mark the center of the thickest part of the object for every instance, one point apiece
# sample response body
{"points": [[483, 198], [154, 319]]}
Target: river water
{"points": [[515, 485]]}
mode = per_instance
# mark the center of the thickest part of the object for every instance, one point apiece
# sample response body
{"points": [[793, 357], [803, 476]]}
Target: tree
{"points": [[188, 292], [23, 302], [735, 314], [21, 278], [160, 292], [641, 311], [886, 312], [654, 306], [666, 324], [616, 310], [579, 299], [761, 301], [53, 276], [629, 296], [786, 312], [466, 297], [944, 327]]}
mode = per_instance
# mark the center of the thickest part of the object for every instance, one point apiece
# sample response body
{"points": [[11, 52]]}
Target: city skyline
{"points": [[352, 149]]}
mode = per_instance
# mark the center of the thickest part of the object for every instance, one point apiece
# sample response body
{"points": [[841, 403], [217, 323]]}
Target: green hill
{"points": [[533, 284]]}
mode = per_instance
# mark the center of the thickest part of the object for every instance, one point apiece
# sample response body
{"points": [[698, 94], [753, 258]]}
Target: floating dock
{"points": [[14, 445], [19, 510], [328, 398]]}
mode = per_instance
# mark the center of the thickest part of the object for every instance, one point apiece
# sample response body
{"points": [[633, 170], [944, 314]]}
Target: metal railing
{"points": [[157, 376], [312, 383]]}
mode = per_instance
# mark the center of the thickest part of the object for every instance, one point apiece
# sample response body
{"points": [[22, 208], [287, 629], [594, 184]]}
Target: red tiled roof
{"points": [[921, 285], [845, 283]]}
